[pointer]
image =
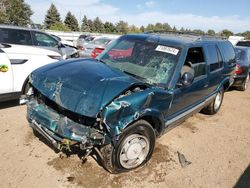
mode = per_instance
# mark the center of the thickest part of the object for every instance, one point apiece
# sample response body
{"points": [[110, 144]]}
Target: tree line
{"points": [[17, 12]]}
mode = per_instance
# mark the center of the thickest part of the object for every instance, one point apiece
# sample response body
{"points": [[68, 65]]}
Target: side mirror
{"points": [[187, 79], [60, 45]]}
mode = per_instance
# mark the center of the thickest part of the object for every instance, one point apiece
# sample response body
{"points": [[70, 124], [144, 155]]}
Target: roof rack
{"points": [[187, 34]]}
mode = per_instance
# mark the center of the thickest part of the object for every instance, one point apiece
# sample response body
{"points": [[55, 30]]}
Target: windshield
{"points": [[145, 60], [56, 37], [89, 38]]}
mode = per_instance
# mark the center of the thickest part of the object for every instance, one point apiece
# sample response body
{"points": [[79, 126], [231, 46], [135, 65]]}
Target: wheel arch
{"points": [[225, 84], [155, 122], [24, 85]]}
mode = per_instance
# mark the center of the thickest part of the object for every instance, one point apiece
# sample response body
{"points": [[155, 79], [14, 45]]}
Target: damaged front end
{"points": [[91, 106], [62, 128]]}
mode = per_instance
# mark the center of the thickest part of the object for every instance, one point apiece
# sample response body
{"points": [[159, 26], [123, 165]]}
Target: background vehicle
{"points": [[235, 39], [245, 43], [31, 37], [140, 87], [70, 50], [82, 42], [241, 77], [81, 39], [64, 42], [17, 62], [99, 43]]}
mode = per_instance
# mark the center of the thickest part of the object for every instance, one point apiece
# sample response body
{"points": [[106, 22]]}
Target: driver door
{"points": [[45, 41], [187, 98]]}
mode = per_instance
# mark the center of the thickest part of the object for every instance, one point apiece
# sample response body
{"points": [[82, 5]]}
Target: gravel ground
{"points": [[218, 148]]}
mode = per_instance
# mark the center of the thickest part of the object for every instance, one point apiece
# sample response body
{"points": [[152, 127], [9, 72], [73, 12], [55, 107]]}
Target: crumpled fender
{"points": [[122, 112]]}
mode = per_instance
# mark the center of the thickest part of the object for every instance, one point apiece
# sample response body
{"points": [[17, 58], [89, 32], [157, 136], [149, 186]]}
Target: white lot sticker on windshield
{"points": [[167, 49]]}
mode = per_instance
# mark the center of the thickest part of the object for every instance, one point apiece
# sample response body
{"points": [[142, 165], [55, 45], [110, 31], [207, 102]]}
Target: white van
{"points": [[17, 62]]}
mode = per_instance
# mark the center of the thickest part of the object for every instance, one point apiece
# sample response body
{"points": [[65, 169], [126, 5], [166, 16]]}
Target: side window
{"points": [[195, 62], [16, 36], [227, 50], [42, 39], [214, 58]]}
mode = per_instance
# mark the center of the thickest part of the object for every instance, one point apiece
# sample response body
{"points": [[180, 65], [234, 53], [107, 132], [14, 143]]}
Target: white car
{"points": [[17, 62]]}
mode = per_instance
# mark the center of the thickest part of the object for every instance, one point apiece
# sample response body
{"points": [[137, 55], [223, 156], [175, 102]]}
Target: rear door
{"points": [[215, 67], [6, 75]]}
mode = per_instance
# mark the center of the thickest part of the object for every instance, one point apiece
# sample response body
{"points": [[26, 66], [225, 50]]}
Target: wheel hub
{"points": [[134, 151], [217, 100]]}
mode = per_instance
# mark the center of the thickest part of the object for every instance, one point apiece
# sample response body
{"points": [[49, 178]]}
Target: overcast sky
{"points": [[193, 14]]}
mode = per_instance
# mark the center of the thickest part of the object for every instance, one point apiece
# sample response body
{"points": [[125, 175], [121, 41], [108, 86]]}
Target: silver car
{"points": [[97, 43], [69, 50]]}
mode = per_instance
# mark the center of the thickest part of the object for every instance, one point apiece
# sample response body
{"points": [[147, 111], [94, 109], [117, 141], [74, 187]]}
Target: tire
{"points": [[244, 85], [215, 105], [36, 133], [133, 149]]}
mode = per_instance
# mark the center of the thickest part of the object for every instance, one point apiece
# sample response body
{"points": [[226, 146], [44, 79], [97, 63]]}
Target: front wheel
{"points": [[26, 87], [215, 105], [133, 149]]}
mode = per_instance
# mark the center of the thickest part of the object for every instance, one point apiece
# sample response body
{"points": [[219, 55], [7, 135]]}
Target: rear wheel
{"points": [[244, 85], [215, 105], [133, 149]]}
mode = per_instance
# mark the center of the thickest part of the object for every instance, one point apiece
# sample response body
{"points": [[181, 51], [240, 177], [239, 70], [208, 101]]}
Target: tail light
{"points": [[96, 52], [238, 69]]}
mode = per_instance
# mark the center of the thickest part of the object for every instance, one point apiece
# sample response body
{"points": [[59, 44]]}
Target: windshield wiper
{"points": [[140, 78], [131, 74], [136, 76]]}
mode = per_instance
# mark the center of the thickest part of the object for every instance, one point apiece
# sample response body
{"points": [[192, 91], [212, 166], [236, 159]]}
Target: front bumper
{"points": [[46, 133], [57, 128]]}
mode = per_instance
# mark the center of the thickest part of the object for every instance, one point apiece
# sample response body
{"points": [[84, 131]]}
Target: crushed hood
{"points": [[82, 86]]}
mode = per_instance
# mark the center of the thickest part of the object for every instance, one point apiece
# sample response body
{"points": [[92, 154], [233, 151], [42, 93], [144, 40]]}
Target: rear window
{"points": [[214, 58], [15, 36], [243, 43], [228, 53]]}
